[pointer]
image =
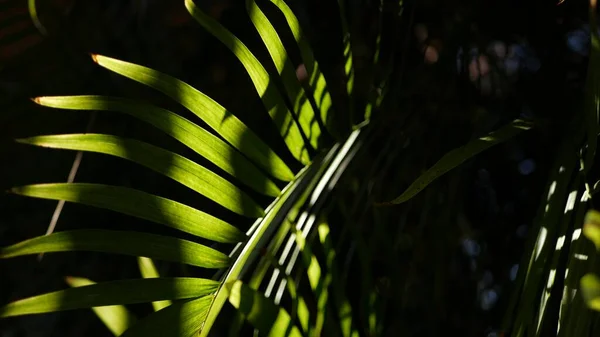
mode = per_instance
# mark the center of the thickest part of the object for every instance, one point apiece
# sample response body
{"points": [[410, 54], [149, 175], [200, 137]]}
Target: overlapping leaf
{"points": [[191, 135]]}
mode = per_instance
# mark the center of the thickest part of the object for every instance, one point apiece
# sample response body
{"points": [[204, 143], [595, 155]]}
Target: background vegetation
{"points": [[463, 256]]}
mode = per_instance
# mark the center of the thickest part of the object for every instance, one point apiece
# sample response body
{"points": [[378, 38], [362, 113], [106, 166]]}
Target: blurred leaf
{"points": [[31, 4], [191, 135], [267, 91], [459, 155], [302, 107], [590, 289], [110, 293], [182, 319], [268, 318], [212, 113], [115, 317], [148, 270], [591, 227], [139, 204], [592, 88], [121, 242], [162, 161]]}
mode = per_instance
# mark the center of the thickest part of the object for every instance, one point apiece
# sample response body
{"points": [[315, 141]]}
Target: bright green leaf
{"points": [[268, 92], [148, 270], [459, 155], [268, 318], [302, 107], [317, 81], [111, 293], [139, 204], [121, 242], [182, 319], [212, 113], [191, 135], [170, 164], [115, 317], [591, 227], [590, 289]]}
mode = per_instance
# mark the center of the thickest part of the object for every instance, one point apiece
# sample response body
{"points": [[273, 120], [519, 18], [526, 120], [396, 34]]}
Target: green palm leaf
{"points": [[162, 161], [191, 135], [148, 270], [304, 110], [139, 204], [317, 81], [212, 113], [182, 319], [459, 155], [121, 242], [110, 293], [268, 318], [268, 92], [115, 317]]}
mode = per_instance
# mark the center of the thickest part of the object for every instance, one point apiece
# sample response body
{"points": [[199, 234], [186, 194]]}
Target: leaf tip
{"points": [[36, 100], [94, 57]]}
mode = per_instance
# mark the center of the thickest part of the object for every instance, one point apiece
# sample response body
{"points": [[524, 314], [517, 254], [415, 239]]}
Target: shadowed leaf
{"points": [[458, 156], [115, 317], [268, 318]]}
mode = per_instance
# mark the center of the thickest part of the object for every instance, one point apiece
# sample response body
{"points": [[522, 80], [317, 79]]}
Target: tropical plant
{"points": [[314, 193]]}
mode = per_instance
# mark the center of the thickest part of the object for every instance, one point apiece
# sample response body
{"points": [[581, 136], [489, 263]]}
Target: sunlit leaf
{"points": [[115, 317], [268, 318], [191, 135], [268, 92], [591, 227], [110, 293], [162, 161], [458, 156], [317, 81], [590, 289], [137, 203], [148, 270], [302, 107], [182, 319], [212, 113], [121, 242]]}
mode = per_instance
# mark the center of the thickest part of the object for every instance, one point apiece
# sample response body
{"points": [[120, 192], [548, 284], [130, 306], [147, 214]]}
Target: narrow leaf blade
{"points": [[268, 318], [269, 94], [459, 155], [182, 319], [139, 204], [148, 270], [121, 242], [115, 317], [302, 107], [111, 293], [212, 113], [170, 164], [209, 146]]}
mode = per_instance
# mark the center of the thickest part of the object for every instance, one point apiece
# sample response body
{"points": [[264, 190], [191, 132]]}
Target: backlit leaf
{"points": [[268, 318], [590, 289], [111, 293], [121, 242], [591, 227], [268, 92], [191, 135], [139, 204]]}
